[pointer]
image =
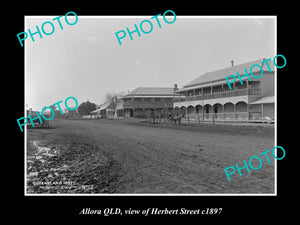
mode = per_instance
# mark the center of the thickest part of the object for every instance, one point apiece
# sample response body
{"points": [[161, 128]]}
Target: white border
{"points": [[137, 194]]}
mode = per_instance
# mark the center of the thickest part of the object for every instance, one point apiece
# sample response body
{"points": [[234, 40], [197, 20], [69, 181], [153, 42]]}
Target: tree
{"points": [[86, 108], [57, 112], [70, 114], [54, 107]]}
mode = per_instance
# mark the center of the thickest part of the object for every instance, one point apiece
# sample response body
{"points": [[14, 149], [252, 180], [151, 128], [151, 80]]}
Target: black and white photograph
{"points": [[171, 111], [159, 104]]}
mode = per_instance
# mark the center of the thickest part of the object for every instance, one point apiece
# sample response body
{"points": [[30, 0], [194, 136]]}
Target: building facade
{"points": [[144, 102], [106, 110], [209, 97]]}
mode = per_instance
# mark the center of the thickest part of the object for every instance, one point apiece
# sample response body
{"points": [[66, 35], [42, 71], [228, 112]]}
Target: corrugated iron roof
{"points": [[264, 100], [222, 73], [105, 105], [152, 91], [96, 111]]}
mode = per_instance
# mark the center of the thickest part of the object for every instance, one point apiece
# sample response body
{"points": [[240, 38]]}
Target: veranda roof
{"points": [[264, 100]]}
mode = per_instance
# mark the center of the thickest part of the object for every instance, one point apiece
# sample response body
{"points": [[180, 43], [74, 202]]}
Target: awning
{"points": [[264, 100]]}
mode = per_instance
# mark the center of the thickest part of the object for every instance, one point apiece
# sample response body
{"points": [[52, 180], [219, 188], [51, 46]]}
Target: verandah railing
{"points": [[224, 94], [226, 116], [219, 116]]}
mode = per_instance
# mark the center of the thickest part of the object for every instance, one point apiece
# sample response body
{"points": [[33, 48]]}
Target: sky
{"points": [[85, 60]]}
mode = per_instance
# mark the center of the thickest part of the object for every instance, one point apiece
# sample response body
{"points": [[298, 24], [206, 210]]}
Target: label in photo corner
{"points": [[61, 185]]}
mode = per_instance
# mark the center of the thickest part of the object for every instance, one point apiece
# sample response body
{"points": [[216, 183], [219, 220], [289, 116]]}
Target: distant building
{"points": [[145, 101], [209, 97], [106, 110]]}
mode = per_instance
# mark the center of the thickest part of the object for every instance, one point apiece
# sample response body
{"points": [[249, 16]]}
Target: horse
{"points": [[174, 118]]}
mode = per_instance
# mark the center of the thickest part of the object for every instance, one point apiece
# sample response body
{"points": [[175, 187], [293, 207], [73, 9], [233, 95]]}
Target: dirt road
{"points": [[157, 158]]}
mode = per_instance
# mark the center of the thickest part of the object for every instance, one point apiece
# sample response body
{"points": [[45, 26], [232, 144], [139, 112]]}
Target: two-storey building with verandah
{"points": [[208, 97], [145, 101]]}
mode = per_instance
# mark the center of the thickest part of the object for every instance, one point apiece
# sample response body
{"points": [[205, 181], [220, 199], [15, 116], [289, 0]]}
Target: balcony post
{"points": [[234, 112], [234, 94], [247, 87], [262, 112], [248, 113], [213, 115], [223, 112]]}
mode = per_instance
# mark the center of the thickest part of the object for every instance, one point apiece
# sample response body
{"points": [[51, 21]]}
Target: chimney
{"points": [[262, 64], [175, 87], [232, 63]]}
